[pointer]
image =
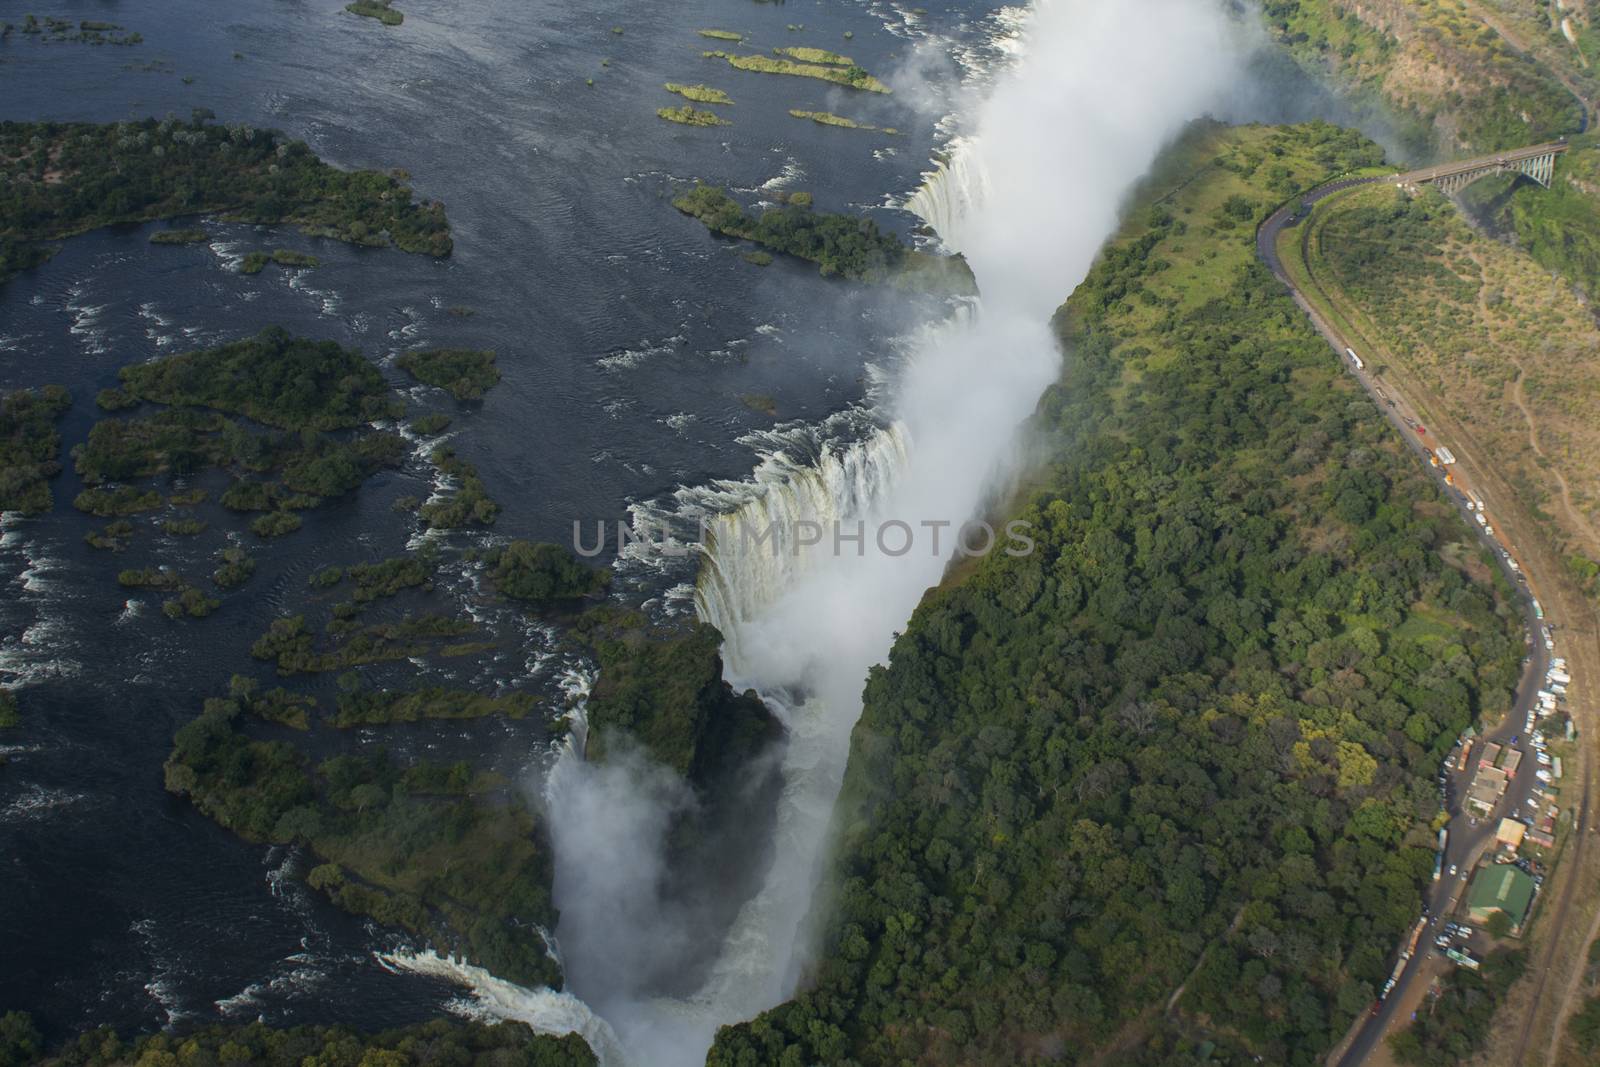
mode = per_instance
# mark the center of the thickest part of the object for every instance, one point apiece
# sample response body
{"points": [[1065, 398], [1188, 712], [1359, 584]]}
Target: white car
{"points": [[1452, 870], [1542, 775]]}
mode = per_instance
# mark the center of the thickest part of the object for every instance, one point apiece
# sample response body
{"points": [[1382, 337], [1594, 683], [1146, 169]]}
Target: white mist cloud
{"points": [[1034, 192]]}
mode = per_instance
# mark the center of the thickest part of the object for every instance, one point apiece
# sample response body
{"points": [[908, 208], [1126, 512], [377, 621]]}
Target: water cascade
{"points": [[1028, 197]]}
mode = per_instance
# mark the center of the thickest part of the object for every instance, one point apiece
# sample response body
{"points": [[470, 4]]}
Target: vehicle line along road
{"points": [[1469, 836]]}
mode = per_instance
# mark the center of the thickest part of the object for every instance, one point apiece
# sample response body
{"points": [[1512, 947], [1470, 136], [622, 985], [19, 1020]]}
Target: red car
{"points": [[1421, 431]]}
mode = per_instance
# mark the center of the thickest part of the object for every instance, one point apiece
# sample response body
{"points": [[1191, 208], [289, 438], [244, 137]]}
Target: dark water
{"points": [[626, 336]]}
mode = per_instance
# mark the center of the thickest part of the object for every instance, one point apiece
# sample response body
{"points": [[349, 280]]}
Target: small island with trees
{"points": [[846, 246], [59, 179]]}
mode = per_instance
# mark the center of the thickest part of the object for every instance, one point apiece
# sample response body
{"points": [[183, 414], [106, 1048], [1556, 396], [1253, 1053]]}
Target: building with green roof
{"points": [[1501, 887]]}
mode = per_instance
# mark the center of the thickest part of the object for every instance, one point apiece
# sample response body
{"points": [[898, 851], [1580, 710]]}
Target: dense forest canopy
{"points": [[1189, 743], [30, 447], [434, 1043], [61, 179]]}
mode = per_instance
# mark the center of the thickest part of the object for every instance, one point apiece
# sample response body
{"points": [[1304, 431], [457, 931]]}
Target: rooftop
{"points": [[1504, 888]]}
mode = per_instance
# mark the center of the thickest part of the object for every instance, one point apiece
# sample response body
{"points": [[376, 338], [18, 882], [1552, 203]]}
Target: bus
{"points": [[1355, 359], [1466, 755]]}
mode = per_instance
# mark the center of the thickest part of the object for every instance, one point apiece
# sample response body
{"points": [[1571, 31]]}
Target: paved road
{"points": [[1469, 835]]}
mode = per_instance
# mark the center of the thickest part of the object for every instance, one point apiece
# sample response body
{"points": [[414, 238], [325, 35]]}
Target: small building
{"points": [[1540, 838], [1490, 755], [1509, 833], [1487, 788], [1501, 887], [1512, 760]]}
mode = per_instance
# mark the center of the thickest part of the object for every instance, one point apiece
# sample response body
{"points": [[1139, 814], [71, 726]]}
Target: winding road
{"points": [[1469, 836]]}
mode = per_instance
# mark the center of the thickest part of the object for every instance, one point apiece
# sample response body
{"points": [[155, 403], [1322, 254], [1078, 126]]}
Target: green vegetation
{"points": [[663, 688], [275, 705], [468, 873], [465, 373], [190, 603], [851, 77], [825, 118], [30, 447], [1453, 1026], [51, 30], [373, 707], [542, 573], [1560, 226], [1585, 1023], [179, 237], [757, 258], [236, 567], [815, 55], [183, 527], [124, 500], [430, 424], [186, 601], [689, 116], [723, 35], [388, 577], [467, 503], [114, 537], [149, 578], [58, 180], [1436, 63], [1187, 741], [274, 378], [842, 245], [297, 385], [290, 644], [255, 262], [1476, 331], [376, 9], [275, 524], [700, 94], [441, 1041], [188, 498], [9, 715]]}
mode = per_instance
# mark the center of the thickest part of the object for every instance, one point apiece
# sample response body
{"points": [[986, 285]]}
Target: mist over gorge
{"points": [[1033, 191], [828, 532]]}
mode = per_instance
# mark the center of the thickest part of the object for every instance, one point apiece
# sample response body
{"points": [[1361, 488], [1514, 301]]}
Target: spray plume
{"points": [[1028, 197]]}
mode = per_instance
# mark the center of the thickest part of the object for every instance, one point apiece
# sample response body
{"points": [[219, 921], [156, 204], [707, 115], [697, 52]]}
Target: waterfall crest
{"points": [[740, 578], [952, 192], [545, 1010]]}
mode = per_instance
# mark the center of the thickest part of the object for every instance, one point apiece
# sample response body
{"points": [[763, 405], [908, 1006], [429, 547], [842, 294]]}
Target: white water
{"points": [[1028, 197]]}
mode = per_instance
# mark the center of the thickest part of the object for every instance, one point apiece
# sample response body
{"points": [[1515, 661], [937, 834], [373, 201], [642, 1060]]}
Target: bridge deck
{"points": [[1466, 166]]}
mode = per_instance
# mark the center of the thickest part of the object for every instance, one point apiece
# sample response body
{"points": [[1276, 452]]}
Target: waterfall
{"points": [[545, 1010], [952, 193], [1028, 198], [739, 580]]}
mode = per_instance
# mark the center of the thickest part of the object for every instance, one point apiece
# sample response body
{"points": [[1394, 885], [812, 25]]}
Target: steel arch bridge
{"points": [[1537, 162]]}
